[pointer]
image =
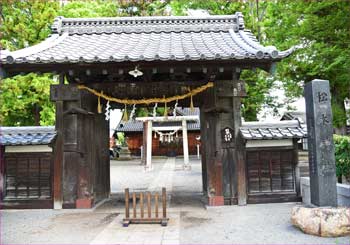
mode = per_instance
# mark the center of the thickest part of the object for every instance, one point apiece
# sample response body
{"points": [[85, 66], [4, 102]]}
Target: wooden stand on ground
{"points": [[142, 219]]}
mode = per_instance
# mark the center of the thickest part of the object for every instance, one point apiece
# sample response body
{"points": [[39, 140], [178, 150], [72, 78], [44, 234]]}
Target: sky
{"points": [[266, 113]]}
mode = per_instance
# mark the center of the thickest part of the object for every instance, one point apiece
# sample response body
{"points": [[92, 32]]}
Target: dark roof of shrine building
{"points": [[275, 130], [137, 126], [166, 38], [37, 135], [295, 115]]}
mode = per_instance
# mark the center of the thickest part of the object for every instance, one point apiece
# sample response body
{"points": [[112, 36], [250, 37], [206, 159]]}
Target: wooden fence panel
{"points": [[138, 217]]}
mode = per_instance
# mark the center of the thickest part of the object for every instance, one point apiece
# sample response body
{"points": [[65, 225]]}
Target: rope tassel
{"points": [[125, 114], [99, 106], [191, 104]]}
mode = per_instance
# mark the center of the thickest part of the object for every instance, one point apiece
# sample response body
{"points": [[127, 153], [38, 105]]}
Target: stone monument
{"points": [[323, 188], [124, 153]]}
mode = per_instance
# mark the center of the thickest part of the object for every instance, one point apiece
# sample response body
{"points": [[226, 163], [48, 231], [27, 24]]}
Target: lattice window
{"points": [[270, 171], [28, 176]]}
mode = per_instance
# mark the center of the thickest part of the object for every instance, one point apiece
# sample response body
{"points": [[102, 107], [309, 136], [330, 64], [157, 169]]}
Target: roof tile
{"points": [[27, 135], [145, 39], [277, 130]]}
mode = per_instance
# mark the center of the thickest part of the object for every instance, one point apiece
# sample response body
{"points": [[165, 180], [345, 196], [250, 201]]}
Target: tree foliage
{"points": [[24, 100], [25, 23], [321, 28], [342, 155], [85, 9]]}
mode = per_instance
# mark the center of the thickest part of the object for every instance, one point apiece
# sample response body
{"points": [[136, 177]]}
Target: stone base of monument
{"points": [[324, 222], [124, 154]]}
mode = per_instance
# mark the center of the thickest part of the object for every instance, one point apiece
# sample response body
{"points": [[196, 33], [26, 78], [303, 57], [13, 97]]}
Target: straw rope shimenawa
{"points": [[150, 100]]}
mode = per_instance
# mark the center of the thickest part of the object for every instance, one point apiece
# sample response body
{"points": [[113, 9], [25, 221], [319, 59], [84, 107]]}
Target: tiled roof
{"points": [[88, 40], [130, 126], [295, 115], [137, 126], [27, 135], [275, 130], [186, 111]]}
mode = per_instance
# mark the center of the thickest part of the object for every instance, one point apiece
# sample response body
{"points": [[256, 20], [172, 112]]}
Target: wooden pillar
{"points": [[58, 153], [224, 150], [239, 92], [203, 152], [296, 170], [212, 148], [2, 172], [81, 155], [149, 146], [58, 158], [185, 145]]}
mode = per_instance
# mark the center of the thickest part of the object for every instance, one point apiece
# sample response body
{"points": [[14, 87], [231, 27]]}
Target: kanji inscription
{"points": [[227, 135]]}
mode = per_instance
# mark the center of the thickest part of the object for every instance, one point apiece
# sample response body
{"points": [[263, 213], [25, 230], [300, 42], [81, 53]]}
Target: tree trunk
{"points": [[340, 179], [340, 130], [340, 121], [36, 112]]}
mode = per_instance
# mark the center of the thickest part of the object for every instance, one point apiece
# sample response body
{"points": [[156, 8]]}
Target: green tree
{"points": [[25, 23], [85, 9], [322, 29], [24, 100]]}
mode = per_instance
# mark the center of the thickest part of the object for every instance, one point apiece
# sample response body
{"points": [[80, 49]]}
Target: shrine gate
{"points": [[137, 58]]}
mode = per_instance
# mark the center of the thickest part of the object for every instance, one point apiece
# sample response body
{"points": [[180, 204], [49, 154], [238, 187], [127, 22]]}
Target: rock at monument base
{"points": [[324, 222]]}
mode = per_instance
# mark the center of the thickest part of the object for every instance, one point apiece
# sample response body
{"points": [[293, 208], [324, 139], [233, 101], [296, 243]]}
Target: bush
{"points": [[342, 155]]}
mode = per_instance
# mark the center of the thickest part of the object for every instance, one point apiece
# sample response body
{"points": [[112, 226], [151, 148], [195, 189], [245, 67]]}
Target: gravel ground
{"points": [[51, 226], [190, 221], [252, 224]]}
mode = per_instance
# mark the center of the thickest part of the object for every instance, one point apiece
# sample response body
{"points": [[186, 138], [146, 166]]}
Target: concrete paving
{"points": [[190, 221]]}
